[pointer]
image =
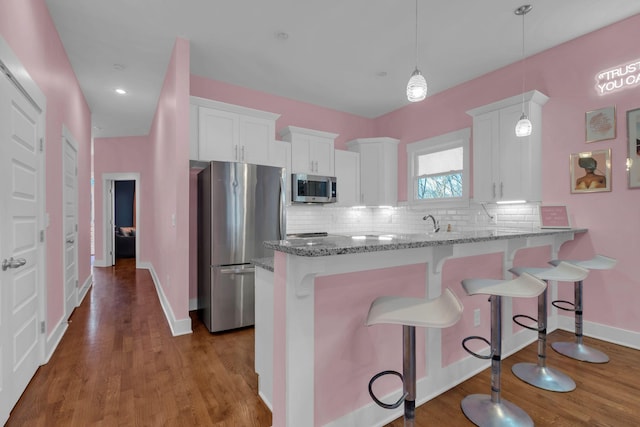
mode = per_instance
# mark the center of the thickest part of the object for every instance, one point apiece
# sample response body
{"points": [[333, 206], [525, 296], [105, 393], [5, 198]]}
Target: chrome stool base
{"points": [[483, 412], [543, 377], [580, 352]]}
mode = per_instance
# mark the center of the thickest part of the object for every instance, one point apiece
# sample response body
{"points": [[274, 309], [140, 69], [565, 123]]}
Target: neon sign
{"points": [[618, 78]]}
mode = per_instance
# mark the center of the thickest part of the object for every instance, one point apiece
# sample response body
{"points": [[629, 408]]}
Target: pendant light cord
{"points": [[524, 69], [416, 44]]}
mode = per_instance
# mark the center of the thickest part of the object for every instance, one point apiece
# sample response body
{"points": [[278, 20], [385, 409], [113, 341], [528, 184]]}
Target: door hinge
{"points": [[76, 283], [42, 327], [41, 236], [41, 144], [76, 227]]}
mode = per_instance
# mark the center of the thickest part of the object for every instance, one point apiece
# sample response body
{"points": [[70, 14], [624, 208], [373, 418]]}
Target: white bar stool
{"points": [[577, 350], [490, 410], [539, 375], [440, 312]]}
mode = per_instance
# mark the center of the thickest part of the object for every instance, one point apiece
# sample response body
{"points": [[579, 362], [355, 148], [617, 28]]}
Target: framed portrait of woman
{"points": [[590, 171], [633, 161]]}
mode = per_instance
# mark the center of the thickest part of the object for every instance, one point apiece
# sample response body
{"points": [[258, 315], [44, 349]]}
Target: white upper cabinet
{"points": [[378, 170], [347, 165], [226, 132], [311, 150], [507, 167]]}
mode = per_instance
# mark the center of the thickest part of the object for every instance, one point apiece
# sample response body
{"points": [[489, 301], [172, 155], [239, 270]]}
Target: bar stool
{"points": [[577, 350], [490, 410], [540, 375], [440, 312]]}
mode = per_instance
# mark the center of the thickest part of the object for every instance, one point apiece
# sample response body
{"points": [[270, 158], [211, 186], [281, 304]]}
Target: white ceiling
{"points": [[334, 56]]}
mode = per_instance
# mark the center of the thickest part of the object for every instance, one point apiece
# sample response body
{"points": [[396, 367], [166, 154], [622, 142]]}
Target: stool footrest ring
{"points": [[378, 401], [531, 328], [564, 305], [479, 356]]}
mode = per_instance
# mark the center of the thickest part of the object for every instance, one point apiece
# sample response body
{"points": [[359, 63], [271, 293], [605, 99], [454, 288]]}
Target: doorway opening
{"points": [[121, 217], [124, 208]]}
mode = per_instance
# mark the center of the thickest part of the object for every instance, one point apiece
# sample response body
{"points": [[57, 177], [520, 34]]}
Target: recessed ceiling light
{"points": [[118, 67], [381, 74], [281, 35], [121, 91]]}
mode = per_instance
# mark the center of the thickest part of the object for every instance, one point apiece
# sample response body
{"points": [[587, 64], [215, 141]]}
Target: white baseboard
{"points": [[54, 339], [602, 332], [193, 304], [178, 326], [84, 290], [101, 263]]}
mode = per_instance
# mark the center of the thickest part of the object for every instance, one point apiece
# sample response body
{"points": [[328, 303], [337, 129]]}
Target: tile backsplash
{"points": [[409, 218]]}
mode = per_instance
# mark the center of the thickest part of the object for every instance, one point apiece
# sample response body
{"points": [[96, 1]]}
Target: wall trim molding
{"points": [[177, 326], [54, 338], [602, 332], [84, 289]]}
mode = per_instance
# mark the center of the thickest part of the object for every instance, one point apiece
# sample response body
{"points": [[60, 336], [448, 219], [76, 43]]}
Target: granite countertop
{"points": [[372, 242]]}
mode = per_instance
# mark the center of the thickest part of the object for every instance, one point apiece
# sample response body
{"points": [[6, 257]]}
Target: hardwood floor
{"points": [[118, 365]]}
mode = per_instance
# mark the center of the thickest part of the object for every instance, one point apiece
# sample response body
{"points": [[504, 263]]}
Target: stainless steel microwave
{"points": [[313, 188]]}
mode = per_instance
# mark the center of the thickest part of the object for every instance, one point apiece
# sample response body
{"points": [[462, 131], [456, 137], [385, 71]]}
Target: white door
{"points": [[70, 221], [20, 352]]}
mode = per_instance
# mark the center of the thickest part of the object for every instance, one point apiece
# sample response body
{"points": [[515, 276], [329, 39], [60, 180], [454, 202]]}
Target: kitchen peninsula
{"points": [[322, 356]]}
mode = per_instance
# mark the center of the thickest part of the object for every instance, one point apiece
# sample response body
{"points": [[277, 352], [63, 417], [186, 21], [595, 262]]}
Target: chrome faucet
{"points": [[436, 225]]}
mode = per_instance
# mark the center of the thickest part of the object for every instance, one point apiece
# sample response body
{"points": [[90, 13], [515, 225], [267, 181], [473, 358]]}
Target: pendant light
{"points": [[523, 127], [417, 86]]}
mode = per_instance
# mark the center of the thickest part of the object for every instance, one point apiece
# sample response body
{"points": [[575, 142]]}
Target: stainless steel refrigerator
{"points": [[239, 206]]}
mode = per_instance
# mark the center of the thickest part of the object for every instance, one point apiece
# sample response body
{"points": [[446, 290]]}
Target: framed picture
{"points": [[600, 124], [633, 161], [554, 216], [590, 171]]}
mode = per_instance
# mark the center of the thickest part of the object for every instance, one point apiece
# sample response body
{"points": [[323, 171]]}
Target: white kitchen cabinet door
{"points": [[256, 136], [347, 168], [218, 137], [507, 167], [312, 151], [378, 170]]}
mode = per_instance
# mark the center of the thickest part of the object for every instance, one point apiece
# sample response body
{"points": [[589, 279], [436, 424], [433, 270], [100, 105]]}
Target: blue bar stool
{"points": [[490, 410], [440, 312], [577, 350], [540, 375]]}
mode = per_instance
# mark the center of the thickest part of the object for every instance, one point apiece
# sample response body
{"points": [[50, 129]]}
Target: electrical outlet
{"points": [[476, 317]]}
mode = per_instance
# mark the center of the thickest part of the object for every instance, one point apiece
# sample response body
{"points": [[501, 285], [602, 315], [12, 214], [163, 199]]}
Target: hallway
{"points": [[118, 364]]}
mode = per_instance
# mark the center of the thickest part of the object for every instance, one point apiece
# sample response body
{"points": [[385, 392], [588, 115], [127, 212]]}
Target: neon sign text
{"points": [[618, 78]]}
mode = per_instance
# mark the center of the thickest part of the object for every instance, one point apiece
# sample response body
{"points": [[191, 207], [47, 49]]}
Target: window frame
{"points": [[455, 139]]}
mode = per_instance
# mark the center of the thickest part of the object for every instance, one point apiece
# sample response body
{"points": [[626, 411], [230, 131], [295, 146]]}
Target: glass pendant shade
{"points": [[523, 127], [417, 87]]}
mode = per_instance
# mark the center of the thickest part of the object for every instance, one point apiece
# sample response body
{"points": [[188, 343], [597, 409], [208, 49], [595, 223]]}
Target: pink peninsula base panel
{"points": [[348, 353]]}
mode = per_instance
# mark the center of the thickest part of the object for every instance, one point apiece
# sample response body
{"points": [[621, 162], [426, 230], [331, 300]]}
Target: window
{"points": [[438, 169]]}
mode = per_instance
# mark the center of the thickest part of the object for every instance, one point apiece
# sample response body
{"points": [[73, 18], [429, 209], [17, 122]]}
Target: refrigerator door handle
{"points": [[283, 210], [238, 270]]}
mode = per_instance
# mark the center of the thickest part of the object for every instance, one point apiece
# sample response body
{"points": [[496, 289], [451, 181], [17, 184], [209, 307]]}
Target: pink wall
{"points": [[124, 155], [169, 222], [566, 74], [27, 27], [293, 113]]}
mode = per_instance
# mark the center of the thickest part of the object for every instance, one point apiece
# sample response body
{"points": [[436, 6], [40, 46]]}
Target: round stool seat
{"points": [[562, 272], [440, 312], [524, 286], [598, 262]]}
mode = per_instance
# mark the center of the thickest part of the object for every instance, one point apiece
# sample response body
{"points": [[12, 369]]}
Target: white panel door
{"points": [[70, 221], [19, 244]]}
